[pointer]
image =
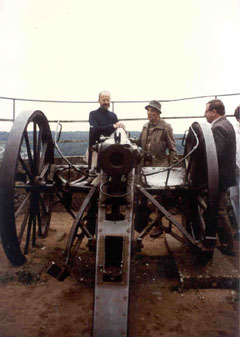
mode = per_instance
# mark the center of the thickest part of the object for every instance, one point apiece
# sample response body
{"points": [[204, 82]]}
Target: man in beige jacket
{"points": [[156, 137]]}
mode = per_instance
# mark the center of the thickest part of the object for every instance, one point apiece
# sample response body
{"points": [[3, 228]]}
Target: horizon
{"points": [[171, 110]]}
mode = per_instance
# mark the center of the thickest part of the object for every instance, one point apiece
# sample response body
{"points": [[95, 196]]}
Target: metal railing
{"points": [[15, 100]]}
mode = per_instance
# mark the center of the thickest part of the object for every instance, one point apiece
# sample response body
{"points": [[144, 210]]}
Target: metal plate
{"points": [[111, 298], [159, 180]]}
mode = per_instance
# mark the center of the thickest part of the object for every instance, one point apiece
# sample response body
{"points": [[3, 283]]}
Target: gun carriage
{"points": [[114, 215]]}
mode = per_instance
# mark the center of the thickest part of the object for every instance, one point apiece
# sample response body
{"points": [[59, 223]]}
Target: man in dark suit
{"points": [[225, 141]]}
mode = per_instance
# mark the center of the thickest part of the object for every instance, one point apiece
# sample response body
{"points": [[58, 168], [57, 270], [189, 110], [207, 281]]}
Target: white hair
{"points": [[104, 92]]}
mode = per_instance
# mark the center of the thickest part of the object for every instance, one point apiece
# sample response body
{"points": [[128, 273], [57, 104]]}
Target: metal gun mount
{"points": [[113, 209]]}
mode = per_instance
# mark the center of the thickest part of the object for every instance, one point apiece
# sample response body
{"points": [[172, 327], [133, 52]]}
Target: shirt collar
{"points": [[215, 120], [154, 124]]}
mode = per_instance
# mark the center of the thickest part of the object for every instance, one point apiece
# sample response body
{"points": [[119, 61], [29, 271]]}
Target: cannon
{"points": [[114, 215]]}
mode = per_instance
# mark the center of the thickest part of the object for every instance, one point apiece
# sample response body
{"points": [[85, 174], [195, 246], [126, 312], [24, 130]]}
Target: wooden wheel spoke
{"points": [[34, 231], [39, 147], [24, 166], [39, 223], [38, 215], [30, 158], [23, 204], [44, 170], [23, 226], [42, 157], [44, 209], [201, 219], [43, 213], [29, 228]]}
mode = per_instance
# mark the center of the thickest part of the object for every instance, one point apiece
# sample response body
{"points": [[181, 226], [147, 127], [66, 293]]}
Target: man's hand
{"points": [[119, 125]]}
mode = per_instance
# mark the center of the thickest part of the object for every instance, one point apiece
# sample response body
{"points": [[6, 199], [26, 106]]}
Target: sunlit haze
{"points": [[137, 50]]}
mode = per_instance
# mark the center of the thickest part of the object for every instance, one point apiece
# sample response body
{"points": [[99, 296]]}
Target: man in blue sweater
{"points": [[103, 123], [102, 120]]}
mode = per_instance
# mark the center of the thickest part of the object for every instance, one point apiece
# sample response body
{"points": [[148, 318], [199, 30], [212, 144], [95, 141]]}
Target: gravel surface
{"points": [[34, 304]]}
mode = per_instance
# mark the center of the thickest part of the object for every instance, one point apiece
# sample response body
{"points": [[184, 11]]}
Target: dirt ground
{"points": [[34, 304]]}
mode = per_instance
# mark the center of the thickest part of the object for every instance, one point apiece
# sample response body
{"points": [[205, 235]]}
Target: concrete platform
{"points": [[218, 273]]}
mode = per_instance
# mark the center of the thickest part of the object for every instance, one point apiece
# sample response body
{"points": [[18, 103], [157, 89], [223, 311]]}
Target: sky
{"points": [[136, 49]]}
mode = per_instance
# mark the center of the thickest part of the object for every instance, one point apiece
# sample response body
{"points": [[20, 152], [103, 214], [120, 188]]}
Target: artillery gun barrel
{"points": [[117, 155]]}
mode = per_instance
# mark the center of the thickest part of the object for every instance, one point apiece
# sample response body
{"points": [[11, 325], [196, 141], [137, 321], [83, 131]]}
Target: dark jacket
{"points": [[225, 140], [102, 121]]}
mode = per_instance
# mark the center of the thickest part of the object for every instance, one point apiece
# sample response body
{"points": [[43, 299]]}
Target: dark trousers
{"points": [[224, 226]]}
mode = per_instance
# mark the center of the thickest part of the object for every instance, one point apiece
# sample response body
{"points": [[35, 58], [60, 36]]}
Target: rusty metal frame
{"points": [[77, 224], [167, 215]]}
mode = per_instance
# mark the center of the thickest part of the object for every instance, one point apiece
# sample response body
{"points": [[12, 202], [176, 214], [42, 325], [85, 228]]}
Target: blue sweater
{"points": [[102, 121]]}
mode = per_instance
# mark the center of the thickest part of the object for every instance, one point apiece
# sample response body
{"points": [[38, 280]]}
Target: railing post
{"points": [[113, 106], [14, 105]]}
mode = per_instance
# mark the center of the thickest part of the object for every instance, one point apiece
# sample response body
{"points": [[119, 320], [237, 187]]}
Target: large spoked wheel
{"points": [[202, 196], [26, 186]]}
